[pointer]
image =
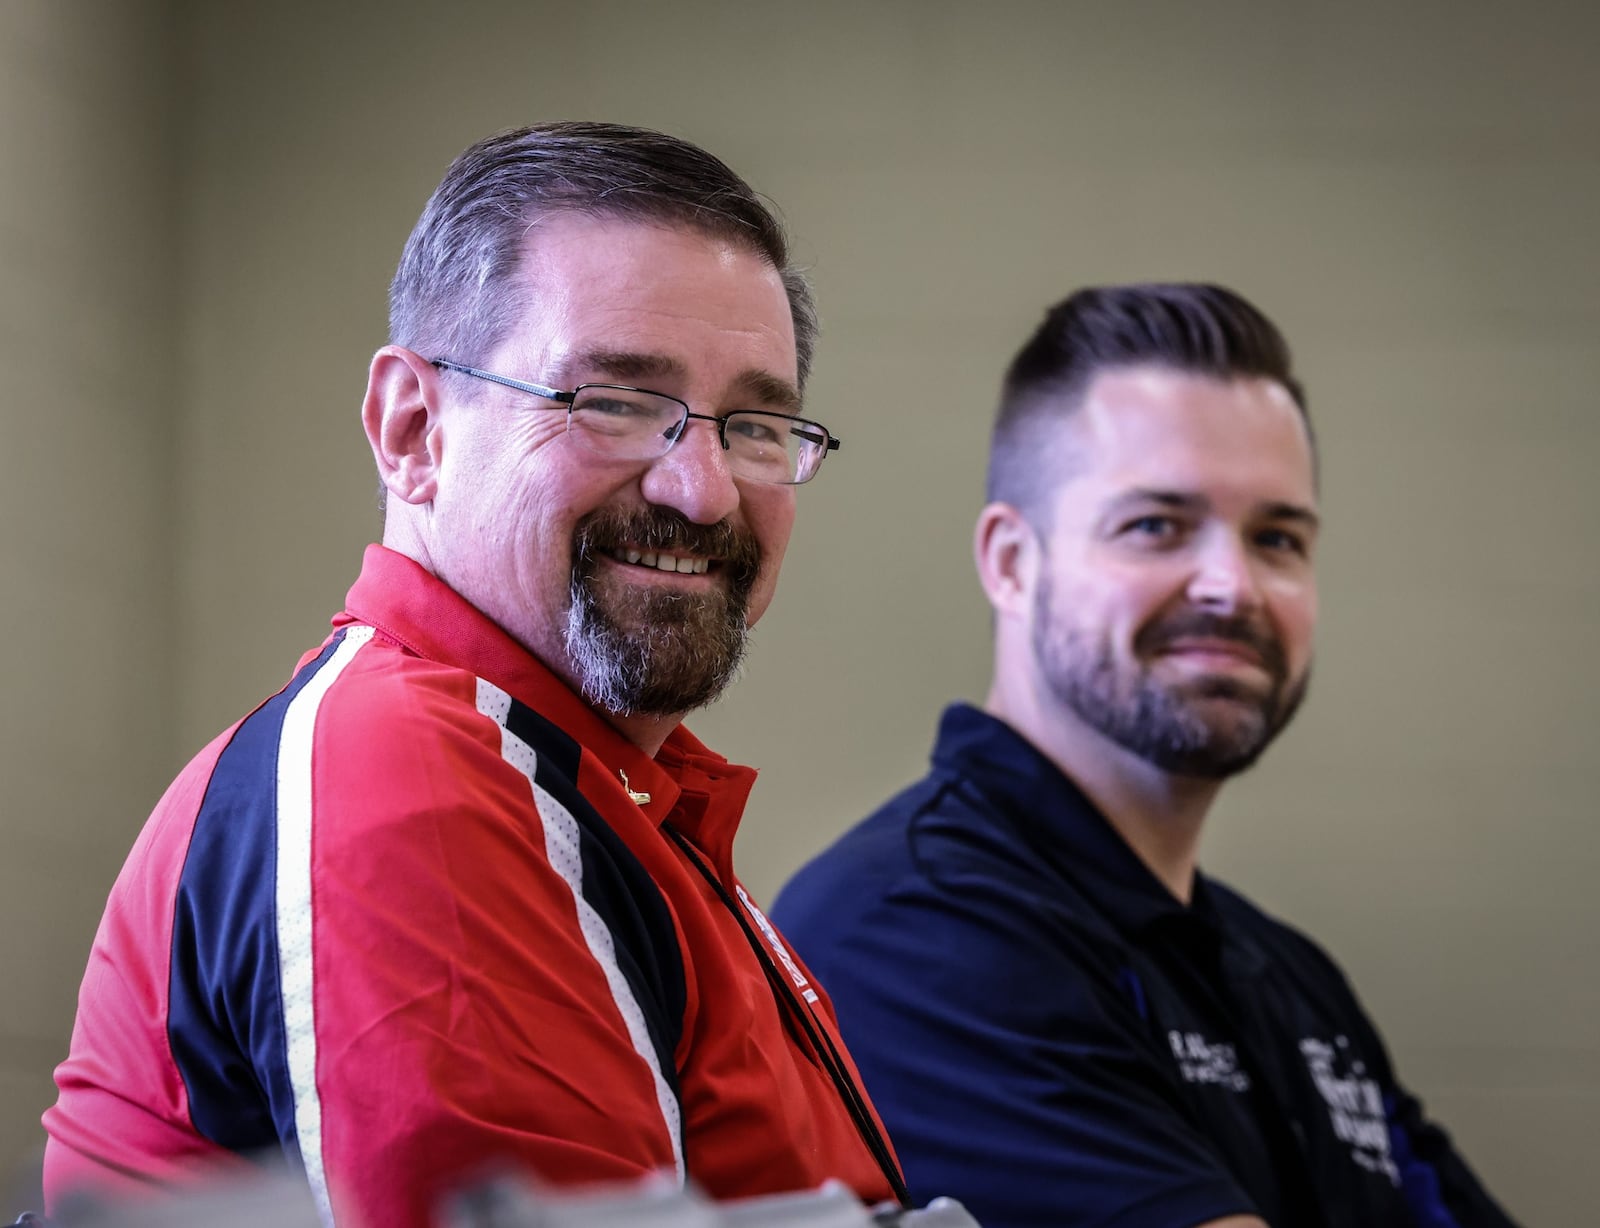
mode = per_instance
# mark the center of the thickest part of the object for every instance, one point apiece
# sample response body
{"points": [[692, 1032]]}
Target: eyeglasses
{"points": [[634, 424]]}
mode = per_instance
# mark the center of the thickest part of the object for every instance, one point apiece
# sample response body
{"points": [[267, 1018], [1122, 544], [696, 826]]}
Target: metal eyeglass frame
{"points": [[568, 399]]}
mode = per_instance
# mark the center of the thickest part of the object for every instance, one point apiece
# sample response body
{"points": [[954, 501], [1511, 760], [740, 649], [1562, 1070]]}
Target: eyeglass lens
{"points": [[634, 425]]}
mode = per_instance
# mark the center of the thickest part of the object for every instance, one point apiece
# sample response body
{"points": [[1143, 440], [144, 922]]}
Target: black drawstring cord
{"points": [[828, 1056]]}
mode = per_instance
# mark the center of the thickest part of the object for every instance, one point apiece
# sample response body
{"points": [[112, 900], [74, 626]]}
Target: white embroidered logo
{"points": [[776, 943], [1355, 1103], [1201, 1061]]}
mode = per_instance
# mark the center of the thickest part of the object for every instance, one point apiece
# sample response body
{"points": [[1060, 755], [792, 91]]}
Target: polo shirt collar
{"points": [[1050, 813]]}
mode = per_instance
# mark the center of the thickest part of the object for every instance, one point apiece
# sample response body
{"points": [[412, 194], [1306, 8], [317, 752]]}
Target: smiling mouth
{"points": [[660, 560], [1228, 650]]}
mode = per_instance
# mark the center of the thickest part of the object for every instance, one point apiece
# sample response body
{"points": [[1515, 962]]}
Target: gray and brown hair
{"points": [[455, 292]]}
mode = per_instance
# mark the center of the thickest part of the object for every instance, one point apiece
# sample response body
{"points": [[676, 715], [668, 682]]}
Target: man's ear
{"points": [[401, 418], [1006, 550]]}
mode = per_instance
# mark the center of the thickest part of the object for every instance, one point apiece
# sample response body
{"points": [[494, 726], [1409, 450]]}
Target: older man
{"points": [[1062, 1020], [462, 892]]}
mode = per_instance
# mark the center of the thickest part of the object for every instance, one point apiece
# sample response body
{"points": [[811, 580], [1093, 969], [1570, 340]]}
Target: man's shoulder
{"points": [[929, 833], [1289, 949], [384, 680], [391, 757], [1242, 914], [937, 868], [860, 865], [390, 695], [377, 739]]}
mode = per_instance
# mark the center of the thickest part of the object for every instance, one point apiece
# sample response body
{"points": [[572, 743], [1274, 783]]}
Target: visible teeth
{"points": [[663, 561]]}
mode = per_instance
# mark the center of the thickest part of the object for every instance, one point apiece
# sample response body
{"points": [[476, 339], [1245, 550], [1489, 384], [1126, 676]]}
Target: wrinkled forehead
{"points": [[658, 300]]}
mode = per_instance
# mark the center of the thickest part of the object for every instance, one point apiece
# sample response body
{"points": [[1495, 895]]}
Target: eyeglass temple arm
{"points": [[538, 390], [833, 444]]}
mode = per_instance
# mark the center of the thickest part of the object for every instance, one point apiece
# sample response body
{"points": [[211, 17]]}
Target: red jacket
{"points": [[406, 919]]}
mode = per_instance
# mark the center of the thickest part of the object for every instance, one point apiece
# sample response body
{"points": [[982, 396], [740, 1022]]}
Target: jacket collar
{"points": [[700, 790]]}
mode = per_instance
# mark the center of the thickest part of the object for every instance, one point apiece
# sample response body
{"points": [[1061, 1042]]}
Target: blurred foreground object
{"points": [[284, 1201]]}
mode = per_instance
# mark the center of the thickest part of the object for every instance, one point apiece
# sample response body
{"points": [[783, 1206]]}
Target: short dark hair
{"points": [[1189, 327], [454, 294]]}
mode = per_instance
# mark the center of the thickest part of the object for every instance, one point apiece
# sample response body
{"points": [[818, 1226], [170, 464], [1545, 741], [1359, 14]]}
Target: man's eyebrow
{"points": [[764, 389], [768, 391], [621, 365], [1185, 502], [1294, 512], [1143, 495]]}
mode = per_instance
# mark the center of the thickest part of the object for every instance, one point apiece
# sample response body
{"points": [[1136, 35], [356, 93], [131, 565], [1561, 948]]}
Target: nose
{"points": [[693, 477], [1224, 582]]}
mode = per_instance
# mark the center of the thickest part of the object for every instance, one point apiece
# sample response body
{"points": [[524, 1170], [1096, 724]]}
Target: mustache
{"points": [[1187, 624], [662, 529]]}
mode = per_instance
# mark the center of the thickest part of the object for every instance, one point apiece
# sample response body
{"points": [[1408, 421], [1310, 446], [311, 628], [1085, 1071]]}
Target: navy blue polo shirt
{"points": [[1053, 1038]]}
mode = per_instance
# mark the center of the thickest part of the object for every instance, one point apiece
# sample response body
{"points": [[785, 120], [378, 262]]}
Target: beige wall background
{"points": [[201, 204]]}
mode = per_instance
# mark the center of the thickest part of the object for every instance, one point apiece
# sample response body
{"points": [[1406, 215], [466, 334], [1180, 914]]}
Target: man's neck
{"points": [[648, 733], [1158, 814]]}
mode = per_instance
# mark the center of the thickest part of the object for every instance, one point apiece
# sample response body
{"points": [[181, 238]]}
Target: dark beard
{"points": [[637, 652], [1170, 727]]}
